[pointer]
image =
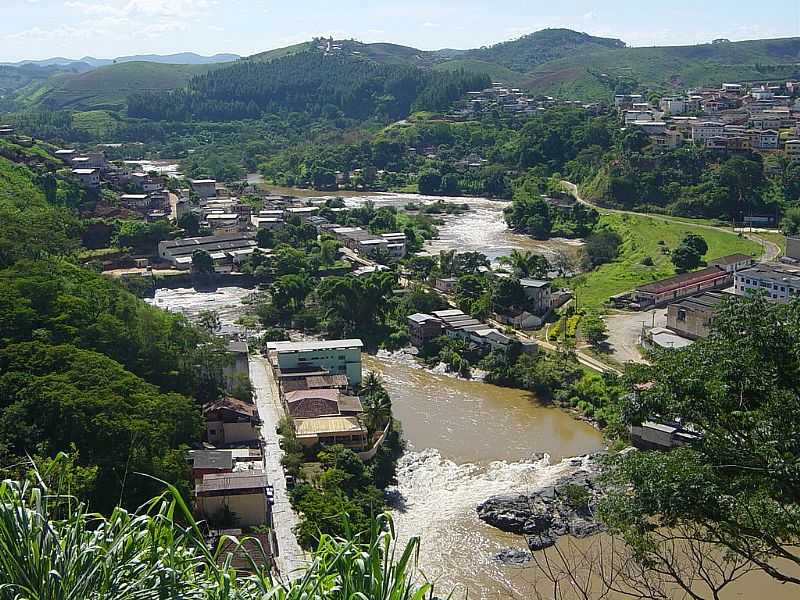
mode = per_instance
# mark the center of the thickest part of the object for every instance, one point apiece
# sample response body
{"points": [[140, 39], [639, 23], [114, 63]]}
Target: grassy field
{"points": [[95, 122], [641, 235], [107, 88]]}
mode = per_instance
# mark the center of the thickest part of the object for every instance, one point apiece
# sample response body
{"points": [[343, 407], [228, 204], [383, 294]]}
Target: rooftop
{"points": [[310, 346], [731, 259], [534, 283], [328, 425], [211, 459], [682, 280], [241, 480]]}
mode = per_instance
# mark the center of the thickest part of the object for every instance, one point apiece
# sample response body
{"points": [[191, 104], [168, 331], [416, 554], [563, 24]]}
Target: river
{"points": [[466, 440]]}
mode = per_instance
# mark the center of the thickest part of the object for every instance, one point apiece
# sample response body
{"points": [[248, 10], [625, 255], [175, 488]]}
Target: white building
{"points": [[673, 105], [89, 177], [703, 131], [780, 282]]}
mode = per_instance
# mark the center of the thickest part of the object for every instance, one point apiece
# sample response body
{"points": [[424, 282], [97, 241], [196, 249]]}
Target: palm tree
{"points": [[527, 264], [447, 259]]}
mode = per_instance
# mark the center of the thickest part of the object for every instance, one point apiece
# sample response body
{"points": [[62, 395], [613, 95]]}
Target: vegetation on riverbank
{"points": [[337, 492], [66, 380], [653, 238], [53, 546]]}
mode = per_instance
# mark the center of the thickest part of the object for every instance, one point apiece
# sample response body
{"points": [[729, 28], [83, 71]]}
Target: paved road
{"points": [[290, 559], [624, 331], [770, 250]]}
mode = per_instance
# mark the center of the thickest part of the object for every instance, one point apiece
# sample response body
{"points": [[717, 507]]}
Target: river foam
{"points": [[436, 500]]}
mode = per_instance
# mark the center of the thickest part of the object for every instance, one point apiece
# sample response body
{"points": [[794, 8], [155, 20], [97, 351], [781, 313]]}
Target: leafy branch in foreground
{"points": [[52, 548]]}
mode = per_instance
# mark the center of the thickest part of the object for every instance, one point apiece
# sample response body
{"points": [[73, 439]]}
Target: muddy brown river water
{"points": [[466, 440]]}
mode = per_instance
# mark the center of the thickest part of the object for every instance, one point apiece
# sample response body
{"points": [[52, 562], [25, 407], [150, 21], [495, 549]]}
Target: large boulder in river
{"points": [[515, 514], [540, 541]]}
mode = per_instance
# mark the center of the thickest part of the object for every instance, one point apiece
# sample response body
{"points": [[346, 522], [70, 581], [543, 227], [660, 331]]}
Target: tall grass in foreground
{"points": [[52, 548]]}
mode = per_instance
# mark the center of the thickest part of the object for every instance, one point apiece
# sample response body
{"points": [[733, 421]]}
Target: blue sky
{"points": [[32, 29]]}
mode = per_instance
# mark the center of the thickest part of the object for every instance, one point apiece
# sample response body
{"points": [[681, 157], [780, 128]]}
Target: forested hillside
{"points": [[308, 82], [539, 47], [85, 366]]}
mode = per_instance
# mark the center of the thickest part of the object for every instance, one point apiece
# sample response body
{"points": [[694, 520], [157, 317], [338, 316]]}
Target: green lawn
{"points": [[641, 235]]}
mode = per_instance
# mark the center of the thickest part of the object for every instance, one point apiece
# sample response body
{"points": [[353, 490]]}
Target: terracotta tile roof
{"points": [[683, 280], [232, 404]]}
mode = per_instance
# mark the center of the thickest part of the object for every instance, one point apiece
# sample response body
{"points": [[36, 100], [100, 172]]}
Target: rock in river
{"points": [[565, 508]]}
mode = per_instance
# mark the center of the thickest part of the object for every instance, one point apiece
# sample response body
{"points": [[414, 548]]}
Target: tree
{"points": [[593, 328], [527, 264], [429, 183], [190, 223], [508, 294], [686, 257], [202, 262], [602, 247], [697, 243], [791, 221], [265, 238], [734, 488]]}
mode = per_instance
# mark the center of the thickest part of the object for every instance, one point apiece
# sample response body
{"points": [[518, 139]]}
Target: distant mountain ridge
{"points": [[181, 58], [556, 62]]}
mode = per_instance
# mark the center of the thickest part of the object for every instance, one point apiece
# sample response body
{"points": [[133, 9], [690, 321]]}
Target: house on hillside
{"points": [[232, 421], [244, 494], [89, 178]]}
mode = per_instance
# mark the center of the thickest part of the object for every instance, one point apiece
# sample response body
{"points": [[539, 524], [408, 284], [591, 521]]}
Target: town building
{"points": [[423, 328], [702, 131], [655, 435], [238, 367], [792, 149], [792, 251], [779, 282], [686, 284], [205, 188], [231, 421], [347, 431], [225, 250], [321, 402], [539, 293], [692, 317], [244, 494], [89, 178], [334, 357]]}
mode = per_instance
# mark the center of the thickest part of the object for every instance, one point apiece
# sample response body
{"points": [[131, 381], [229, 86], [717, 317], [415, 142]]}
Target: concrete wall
{"points": [[239, 432], [697, 324], [250, 509]]}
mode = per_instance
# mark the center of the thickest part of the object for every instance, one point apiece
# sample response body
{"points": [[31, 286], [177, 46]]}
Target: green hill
{"points": [[540, 47], [108, 87], [552, 61], [598, 73]]}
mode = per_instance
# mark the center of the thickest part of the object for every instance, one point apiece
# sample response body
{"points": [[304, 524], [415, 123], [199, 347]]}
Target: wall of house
{"points": [[250, 509], [337, 361], [696, 324], [239, 432]]}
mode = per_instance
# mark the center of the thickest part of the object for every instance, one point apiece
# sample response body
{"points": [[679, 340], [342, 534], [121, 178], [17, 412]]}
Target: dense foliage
{"points": [[736, 486], [53, 547], [306, 82], [85, 364]]}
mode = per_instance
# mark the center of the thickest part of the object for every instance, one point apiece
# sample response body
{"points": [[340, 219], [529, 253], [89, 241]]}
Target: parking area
{"points": [[624, 330]]}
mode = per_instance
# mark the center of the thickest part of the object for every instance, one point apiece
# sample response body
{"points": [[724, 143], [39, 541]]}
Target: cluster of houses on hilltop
{"points": [[512, 101], [734, 117]]}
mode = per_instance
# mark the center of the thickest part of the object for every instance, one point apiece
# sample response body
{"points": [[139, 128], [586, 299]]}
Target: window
{"points": [[681, 314]]}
